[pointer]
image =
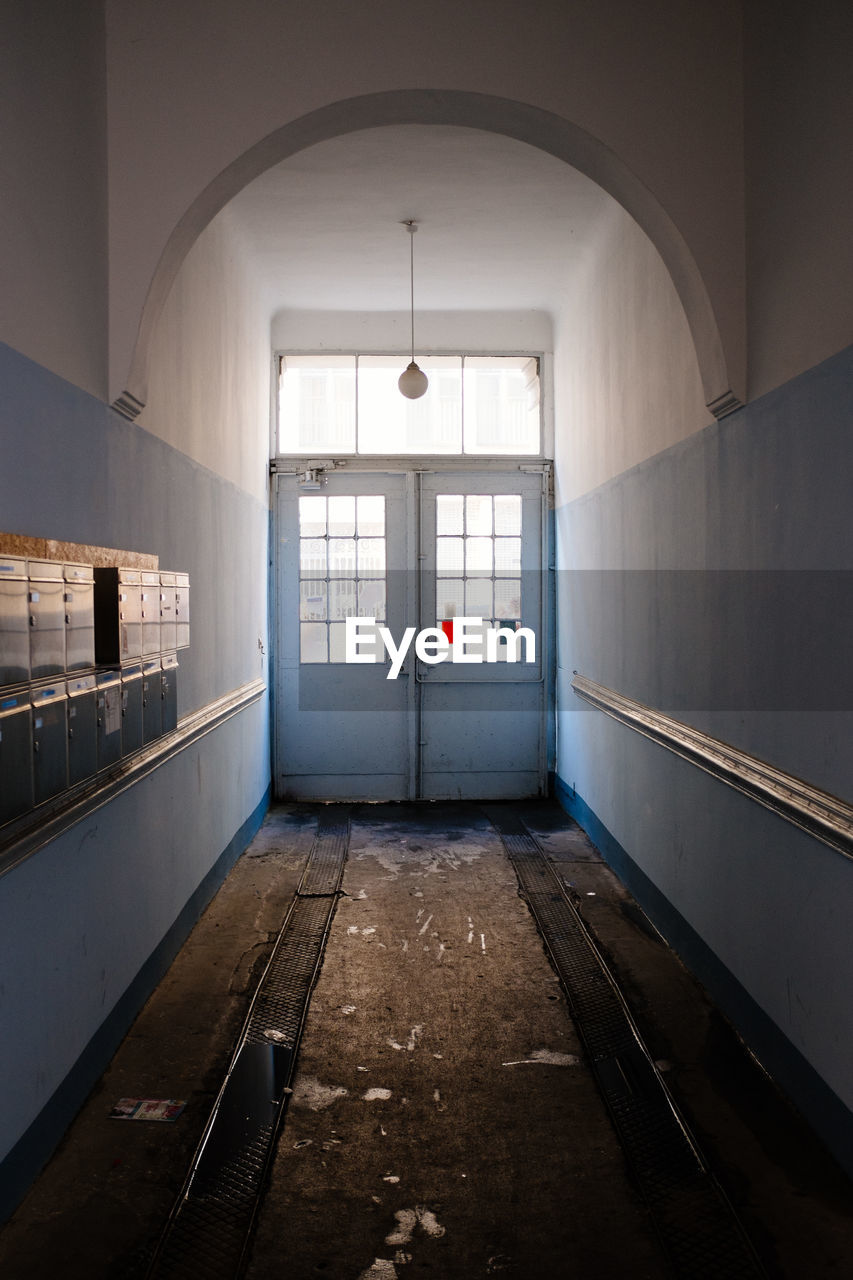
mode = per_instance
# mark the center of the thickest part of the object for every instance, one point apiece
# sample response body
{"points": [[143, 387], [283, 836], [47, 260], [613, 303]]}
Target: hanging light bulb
{"points": [[412, 382]]}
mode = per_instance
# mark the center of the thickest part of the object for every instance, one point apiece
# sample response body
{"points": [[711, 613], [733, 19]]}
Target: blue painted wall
{"points": [[88, 923], [714, 581]]}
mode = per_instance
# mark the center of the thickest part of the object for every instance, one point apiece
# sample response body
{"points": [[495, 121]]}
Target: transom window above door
{"points": [[350, 404]]}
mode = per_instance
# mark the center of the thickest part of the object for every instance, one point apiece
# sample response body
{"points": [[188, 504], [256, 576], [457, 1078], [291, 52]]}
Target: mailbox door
{"points": [[50, 742], [14, 622], [131, 709], [47, 620], [109, 719], [169, 685], [82, 729], [150, 613], [79, 618], [16, 756], [182, 609], [152, 698]]}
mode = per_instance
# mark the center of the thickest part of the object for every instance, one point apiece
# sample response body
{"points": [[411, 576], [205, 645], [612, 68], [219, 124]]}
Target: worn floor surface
{"points": [[443, 1119]]}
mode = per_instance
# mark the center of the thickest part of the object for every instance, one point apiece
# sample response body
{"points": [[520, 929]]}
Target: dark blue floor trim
{"points": [[34, 1148], [820, 1106]]}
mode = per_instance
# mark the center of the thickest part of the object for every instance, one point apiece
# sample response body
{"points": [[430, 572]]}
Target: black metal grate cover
{"points": [[695, 1222], [207, 1235]]}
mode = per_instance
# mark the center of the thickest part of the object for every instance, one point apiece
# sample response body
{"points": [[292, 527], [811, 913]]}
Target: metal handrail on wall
{"points": [[822, 815]]}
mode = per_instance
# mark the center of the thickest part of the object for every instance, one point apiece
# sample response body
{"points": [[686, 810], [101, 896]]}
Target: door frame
{"points": [[413, 469]]}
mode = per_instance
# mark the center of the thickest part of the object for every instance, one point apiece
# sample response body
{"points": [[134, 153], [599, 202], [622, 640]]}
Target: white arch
{"points": [[528, 124]]}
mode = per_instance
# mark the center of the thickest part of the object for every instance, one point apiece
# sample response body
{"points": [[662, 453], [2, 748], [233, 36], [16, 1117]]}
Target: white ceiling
{"points": [[502, 226]]}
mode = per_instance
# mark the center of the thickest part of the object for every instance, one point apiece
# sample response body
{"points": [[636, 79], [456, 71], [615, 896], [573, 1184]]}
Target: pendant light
{"points": [[413, 381]]}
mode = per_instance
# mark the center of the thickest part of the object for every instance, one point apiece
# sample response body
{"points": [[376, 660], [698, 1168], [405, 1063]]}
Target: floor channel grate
{"points": [[695, 1221], [208, 1231]]}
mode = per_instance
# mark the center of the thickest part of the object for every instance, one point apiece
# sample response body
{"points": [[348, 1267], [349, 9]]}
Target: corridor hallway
{"points": [[444, 1118]]}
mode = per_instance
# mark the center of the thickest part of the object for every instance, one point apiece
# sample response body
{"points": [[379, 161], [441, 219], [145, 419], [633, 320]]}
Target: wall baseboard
{"points": [[32, 1151], [814, 1099]]}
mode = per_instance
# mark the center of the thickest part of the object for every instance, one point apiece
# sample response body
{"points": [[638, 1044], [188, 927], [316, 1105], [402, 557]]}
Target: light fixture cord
{"points": [[412, 282]]}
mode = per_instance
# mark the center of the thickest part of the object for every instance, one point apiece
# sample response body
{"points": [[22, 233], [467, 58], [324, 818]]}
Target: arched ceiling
{"points": [[502, 225]]}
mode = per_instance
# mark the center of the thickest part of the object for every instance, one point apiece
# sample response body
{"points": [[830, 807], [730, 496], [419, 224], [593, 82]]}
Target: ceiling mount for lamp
{"points": [[413, 381]]}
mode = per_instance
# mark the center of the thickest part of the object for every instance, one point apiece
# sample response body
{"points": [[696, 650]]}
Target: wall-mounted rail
{"points": [[820, 814]]}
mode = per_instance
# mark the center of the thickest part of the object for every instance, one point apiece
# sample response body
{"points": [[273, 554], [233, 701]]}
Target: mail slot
{"points": [[150, 613], [16, 755], [50, 740], [14, 621], [182, 609], [47, 619], [152, 699], [168, 613], [109, 717], [118, 616], [79, 617], [169, 686], [131, 708], [82, 728]]}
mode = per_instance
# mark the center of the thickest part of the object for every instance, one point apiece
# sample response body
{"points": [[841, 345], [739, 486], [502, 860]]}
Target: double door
{"points": [[411, 635]]}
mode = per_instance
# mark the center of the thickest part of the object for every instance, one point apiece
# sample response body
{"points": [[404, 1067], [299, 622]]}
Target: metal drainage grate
{"points": [[695, 1222], [207, 1235]]}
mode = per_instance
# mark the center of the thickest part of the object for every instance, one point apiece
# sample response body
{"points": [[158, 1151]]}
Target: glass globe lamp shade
{"points": [[412, 382]]}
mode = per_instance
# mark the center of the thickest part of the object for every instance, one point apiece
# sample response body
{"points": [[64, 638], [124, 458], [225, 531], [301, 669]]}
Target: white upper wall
{"points": [[53, 210], [799, 156], [626, 379], [210, 366], [194, 84]]}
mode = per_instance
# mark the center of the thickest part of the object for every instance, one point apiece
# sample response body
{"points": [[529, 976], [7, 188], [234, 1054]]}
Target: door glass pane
{"points": [[371, 557], [312, 557], [508, 513], [450, 555], [508, 555], [341, 517], [449, 512], [312, 517], [342, 598], [508, 598], [342, 574], [341, 557], [312, 641], [450, 598], [371, 599], [478, 514], [478, 598], [312, 600], [371, 516], [478, 555]]}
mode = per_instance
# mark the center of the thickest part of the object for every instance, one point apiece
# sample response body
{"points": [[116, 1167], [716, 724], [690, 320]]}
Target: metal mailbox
{"points": [[16, 754], [118, 616], [168, 613], [79, 617], [182, 610], [169, 687], [150, 596], [82, 728], [47, 619], [50, 740], [14, 621], [152, 698], [131, 708], [109, 717]]}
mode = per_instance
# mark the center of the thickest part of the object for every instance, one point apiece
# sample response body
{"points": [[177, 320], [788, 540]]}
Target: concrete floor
{"points": [[443, 1119]]}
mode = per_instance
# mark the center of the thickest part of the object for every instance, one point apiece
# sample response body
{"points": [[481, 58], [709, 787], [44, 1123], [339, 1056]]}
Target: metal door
{"points": [[483, 719], [342, 729], [418, 550]]}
